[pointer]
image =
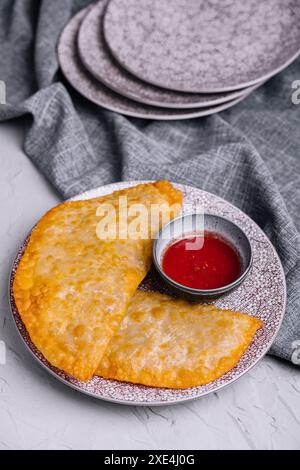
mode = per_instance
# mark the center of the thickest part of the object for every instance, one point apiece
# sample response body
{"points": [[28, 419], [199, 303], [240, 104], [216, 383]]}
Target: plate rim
{"points": [[245, 85], [148, 403]]}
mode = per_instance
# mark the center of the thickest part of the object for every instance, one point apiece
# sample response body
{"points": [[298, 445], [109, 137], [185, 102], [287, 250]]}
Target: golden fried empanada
{"points": [[166, 342], [72, 288]]}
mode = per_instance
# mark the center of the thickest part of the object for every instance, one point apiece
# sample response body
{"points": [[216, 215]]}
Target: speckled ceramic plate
{"points": [[263, 294], [99, 94], [96, 57], [203, 46]]}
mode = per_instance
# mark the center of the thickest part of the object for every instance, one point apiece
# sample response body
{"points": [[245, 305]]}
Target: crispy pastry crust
{"points": [[72, 289], [166, 342]]}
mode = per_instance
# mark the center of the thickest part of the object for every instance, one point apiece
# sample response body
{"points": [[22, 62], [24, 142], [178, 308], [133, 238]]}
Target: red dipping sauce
{"points": [[215, 264]]}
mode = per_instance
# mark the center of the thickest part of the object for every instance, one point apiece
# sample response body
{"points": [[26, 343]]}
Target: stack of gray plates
{"points": [[177, 59]]}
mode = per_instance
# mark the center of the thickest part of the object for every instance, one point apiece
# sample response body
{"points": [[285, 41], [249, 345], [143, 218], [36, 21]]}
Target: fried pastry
{"points": [[166, 342], [73, 286]]}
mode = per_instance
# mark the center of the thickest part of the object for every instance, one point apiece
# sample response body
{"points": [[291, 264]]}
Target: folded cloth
{"points": [[248, 155]]}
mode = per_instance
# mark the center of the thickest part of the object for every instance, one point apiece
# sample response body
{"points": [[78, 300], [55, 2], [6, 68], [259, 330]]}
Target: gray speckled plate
{"points": [[203, 46], [96, 57], [99, 94], [263, 294]]}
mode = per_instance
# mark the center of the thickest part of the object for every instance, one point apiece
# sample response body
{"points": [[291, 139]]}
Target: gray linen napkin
{"points": [[249, 155]]}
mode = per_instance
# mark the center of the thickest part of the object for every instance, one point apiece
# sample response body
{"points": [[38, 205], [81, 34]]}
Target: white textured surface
{"points": [[262, 410]]}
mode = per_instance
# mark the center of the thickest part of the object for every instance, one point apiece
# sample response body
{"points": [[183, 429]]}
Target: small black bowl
{"points": [[191, 224]]}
